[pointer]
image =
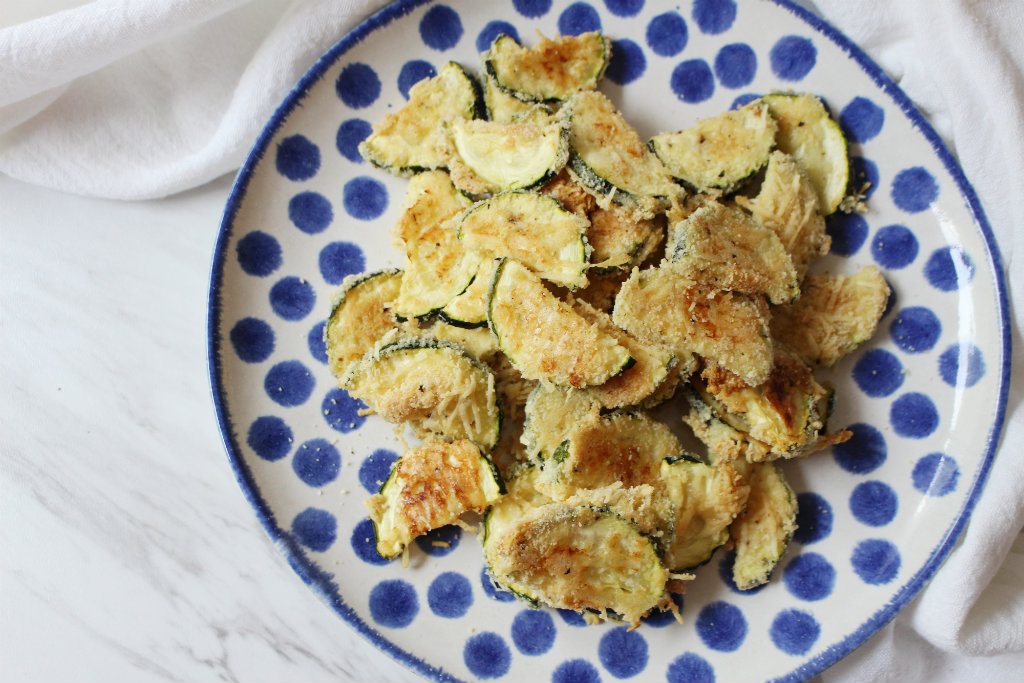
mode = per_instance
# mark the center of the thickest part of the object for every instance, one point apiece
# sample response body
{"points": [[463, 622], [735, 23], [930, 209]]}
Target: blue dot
{"points": [[533, 632], [253, 340], [862, 119], [317, 462], [743, 100], [350, 134], [957, 359], [792, 57], [914, 189], [492, 590], [364, 198], [297, 158], [364, 543], [809, 577], [894, 246], [949, 268], [725, 569], [441, 541], [627, 63], [714, 16], [873, 503], [270, 437], [492, 30], [532, 9], [258, 253], [916, 329], [289, 383], [667, 34], [292, 298], [624, 8], [863, 176], [813, 518], [876, 561], [690, 667], [848, 232], [440, 27], [339, 259], [722, 626], [486, 655], [661, 618], [578, 18], [376, 469], [735, 65], [571, 617], [692, 81], [914, 416], [315, 528], [450, 595], [794, 631], [414, 71], [393, 603], [358, 85], [316, 343], [311, 212], [864, 452], [878, 373], [935, 474], [575, 671], [341, 411], [623, 652]]}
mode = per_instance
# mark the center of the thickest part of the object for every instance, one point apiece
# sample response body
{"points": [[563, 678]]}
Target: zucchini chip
{"points": [[552, 70], [722, 441], [407, 141], [551, 415], [469, 309], [719, 153], [431, 486], [534, 230], [360, 315], [762, 532], [434, 386], [504, 108], [491, 157], [543, 337], [620, 240]]}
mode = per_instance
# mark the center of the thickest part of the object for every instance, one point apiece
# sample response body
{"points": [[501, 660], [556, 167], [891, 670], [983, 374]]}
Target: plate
{"points": [[924, 398]]}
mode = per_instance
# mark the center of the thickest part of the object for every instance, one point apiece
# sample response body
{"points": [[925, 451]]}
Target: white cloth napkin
{"points": [[138, 99]]}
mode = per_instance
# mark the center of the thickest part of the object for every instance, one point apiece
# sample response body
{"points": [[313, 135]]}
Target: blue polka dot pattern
{"points": [[914, 415], [317, 462], [690, 667], [339, 259], [292, 298], [692, 81], [358, 85], [725, 567], [413, 72], [450, 595], [533, 632], [364, 543], [848, 232], [862, 119], [289, 383], [735, 65], [315, 528], [316, 343], [873, 503], [627, 63], [894, 247], [576, 671], [310, 212], [441, 28], [916, 329], [864, 452], [440, 542], [935, 474], [667, 34], [914, 189], [492, 30], [623, 652], [486, 655], [578, 18], [876, 561], [961, 365], [258, 253], [297, 158], [624, 8], [949, 268], [493, 591], [252, 339], [364, 198], [794, 631], [714, 16], [809, 577], [341, 411], [878, 373], [393, 603], [350, 134], [571, 618], [793, 57], [532, 9], [270, 437], [376, 468], [863, 175], [813, 518], [722, 626], [743, 100]]}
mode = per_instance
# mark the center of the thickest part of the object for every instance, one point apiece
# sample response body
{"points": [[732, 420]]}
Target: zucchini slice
{"points": [[504, 108], [620, 240], [469, 309], [543, 337], [431, 486], [407, 141], [661, 306], [360, 315], [810, 135], [506, 156], [724, 247], [434, 386], [551, 415], [719, 153], [722, 441], [552, 70], [478, 341], [762, 532], [834, 315], [437, 265], [534, 230]]}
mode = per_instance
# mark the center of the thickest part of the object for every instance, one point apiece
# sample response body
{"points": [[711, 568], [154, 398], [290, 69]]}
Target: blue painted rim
{"points": [[322, 583]]}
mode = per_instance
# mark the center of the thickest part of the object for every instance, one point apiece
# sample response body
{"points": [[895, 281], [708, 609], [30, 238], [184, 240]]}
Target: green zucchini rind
{"points": [[361, 313], [434, 386], [762, 532], [721, 152], [489, 157], [469, 309], [550, 71], [543, 337]]}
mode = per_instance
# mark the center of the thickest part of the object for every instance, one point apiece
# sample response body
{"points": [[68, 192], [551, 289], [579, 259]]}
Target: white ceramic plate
{"points": [[924, 399]]}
